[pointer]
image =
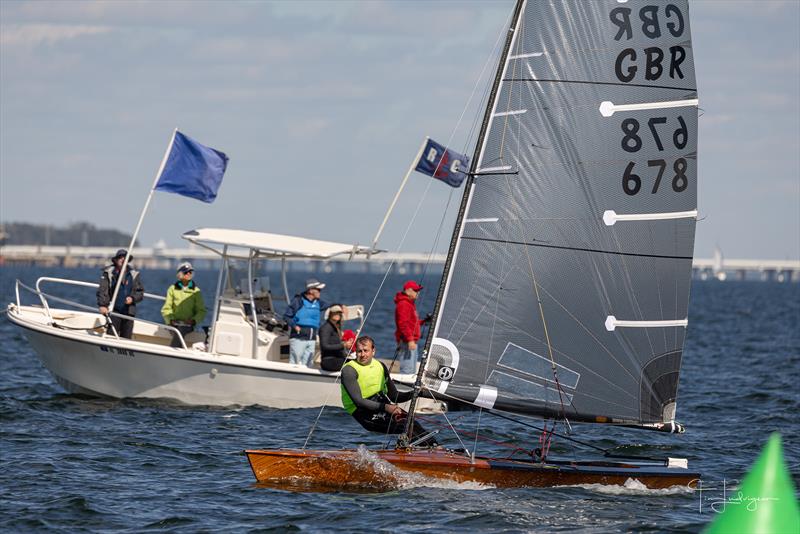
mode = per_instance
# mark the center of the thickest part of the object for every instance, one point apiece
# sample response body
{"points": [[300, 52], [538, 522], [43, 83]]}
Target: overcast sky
{"points": [[322, 106]]}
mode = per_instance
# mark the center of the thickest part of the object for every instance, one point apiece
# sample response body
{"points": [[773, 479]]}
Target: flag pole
{"points": [[397, 195], [141, 219]]}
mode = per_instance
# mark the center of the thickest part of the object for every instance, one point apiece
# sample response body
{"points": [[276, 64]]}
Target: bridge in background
{"points": [[162, 257]]}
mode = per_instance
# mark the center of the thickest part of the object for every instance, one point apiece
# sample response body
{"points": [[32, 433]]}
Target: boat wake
{"points": [[397, 479], [632, 487]]}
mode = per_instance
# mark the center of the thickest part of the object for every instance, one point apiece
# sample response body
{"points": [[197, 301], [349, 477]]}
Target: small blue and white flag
{"points": [[192, 170], [443, 164]]}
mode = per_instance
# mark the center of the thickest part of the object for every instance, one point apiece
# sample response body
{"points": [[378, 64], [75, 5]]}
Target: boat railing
{"points": [[43, 297]]}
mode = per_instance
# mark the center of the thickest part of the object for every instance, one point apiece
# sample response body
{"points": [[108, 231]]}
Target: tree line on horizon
{"points": [[77, 234]]}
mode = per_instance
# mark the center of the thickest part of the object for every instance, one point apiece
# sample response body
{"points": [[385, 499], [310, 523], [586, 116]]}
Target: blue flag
{"points": [[192, 170], [443, 164]]}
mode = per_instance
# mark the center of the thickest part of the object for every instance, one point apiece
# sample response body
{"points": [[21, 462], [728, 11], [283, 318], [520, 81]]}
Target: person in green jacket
{"points": [[184, 308]]}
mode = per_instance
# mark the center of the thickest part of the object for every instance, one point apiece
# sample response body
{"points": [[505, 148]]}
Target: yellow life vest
{"points": [[371, 380]]}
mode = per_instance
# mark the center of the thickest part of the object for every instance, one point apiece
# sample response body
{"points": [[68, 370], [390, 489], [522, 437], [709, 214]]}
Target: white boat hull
{"points": [[120, 368], [121, 373]]}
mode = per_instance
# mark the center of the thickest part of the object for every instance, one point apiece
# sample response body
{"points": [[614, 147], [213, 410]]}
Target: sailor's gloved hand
{"points": [[398, 414], [428, 318]]}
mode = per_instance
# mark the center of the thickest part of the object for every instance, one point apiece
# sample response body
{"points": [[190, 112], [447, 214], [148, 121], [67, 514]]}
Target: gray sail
{"points": [[566, 290]]}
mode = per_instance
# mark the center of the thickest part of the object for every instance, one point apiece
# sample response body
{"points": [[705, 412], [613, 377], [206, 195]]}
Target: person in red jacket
{"points": [[408, 325]]}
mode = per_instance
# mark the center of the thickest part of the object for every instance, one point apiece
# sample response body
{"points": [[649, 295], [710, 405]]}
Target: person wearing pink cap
{"points": [[407, 323]]}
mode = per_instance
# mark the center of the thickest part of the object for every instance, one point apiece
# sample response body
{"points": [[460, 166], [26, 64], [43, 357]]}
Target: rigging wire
{"points": [[516, 208], [410, 224], [543, 429], [568, 437], [546, 437]]}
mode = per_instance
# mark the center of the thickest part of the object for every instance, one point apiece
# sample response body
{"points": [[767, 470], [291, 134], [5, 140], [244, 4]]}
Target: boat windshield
{"points": [[238, 277]]}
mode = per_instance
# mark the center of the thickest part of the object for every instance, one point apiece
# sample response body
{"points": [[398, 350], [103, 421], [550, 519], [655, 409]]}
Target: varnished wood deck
{"points": [[359, 470]]}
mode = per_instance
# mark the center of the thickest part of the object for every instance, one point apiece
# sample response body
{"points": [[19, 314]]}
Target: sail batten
{"points": [[590, 82], [579, 249], [607, 109], [592, 120]]}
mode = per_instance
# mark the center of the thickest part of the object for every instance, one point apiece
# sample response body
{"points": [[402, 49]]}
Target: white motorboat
{"points": [[244, 359]]}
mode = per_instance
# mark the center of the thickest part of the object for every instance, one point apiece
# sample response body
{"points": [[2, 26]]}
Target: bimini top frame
{"points": [[252, 246], [264, 245]]}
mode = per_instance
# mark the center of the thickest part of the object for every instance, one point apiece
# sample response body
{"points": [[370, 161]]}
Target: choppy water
{"points": [[73, 464]]}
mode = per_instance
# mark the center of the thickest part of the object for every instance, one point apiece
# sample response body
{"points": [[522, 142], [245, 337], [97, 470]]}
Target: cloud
{"points": [[307, 127], [360, 82], [31, 35], [716, 119], [327, 90]]}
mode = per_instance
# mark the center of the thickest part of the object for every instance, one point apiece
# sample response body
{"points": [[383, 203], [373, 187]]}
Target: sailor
{"points": [[407, 323], [331, 344], [304, 315], [184, 307], [370, 395], [130, 292]]}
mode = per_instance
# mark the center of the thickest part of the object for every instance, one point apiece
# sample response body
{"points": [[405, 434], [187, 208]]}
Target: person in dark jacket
{"points": [[304, 315], [332, 348], [408, 323], [371, 397], [130, 292]]}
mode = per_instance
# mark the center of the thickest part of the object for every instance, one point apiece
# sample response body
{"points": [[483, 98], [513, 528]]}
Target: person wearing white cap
{"points": [[184, 307], [304, 315]]}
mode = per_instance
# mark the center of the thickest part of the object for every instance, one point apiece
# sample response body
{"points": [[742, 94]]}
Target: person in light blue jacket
{"points": [[304, 315]]}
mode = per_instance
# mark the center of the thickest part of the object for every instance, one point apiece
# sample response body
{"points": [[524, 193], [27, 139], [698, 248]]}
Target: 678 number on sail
{"points": [[632, 142]]}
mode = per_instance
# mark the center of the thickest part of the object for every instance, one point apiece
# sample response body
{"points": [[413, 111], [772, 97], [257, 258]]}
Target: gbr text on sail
{"points": [[653, 60]]}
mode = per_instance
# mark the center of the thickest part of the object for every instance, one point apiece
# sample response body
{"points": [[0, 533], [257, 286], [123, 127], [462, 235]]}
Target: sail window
{"points": [[612, 323], [525, 388], [528, 362], [611, 217], [607, 108]]}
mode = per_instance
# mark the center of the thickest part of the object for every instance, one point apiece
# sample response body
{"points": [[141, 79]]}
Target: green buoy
{"points": [[765, 503]]}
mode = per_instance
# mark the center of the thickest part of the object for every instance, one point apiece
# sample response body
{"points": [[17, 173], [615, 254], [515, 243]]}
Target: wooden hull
{"points": [[384, 470]]}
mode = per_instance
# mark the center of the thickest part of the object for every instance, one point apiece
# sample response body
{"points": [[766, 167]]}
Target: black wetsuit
{"points": [[370, 412]]}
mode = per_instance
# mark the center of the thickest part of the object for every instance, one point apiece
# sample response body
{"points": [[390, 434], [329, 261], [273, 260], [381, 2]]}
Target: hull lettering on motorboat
{"points": [[114, 350]]}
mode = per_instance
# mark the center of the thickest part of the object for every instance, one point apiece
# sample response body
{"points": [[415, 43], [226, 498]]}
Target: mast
{"points": [[403, 439], [591, 218]]}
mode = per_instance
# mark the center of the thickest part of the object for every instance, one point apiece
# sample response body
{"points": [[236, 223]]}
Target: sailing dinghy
{"points": [[566, 288]]}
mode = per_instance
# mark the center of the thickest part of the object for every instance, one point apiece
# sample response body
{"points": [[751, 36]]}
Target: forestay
{"points": [[583, 195]]}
